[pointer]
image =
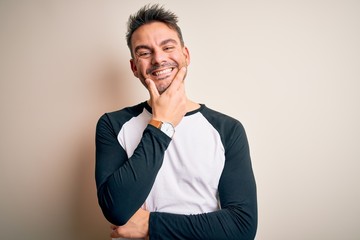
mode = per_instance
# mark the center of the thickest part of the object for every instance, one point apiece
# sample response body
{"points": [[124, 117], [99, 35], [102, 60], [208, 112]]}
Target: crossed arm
{"points": [[127, 185], [124, 184]]}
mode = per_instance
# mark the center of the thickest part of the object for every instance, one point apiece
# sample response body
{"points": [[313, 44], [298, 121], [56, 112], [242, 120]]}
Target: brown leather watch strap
{"points": [[155, 123]]}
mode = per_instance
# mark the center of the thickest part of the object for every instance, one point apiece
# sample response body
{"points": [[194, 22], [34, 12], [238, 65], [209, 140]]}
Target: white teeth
{"points": [[163, 71]]}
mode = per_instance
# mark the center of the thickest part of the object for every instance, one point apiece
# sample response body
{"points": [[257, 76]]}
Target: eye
{"points": [[169, 48], [143, 54]]}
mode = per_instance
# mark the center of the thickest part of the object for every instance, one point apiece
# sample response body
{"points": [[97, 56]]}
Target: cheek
{"points": [[181, 58], [138, 69], [141, 68]]}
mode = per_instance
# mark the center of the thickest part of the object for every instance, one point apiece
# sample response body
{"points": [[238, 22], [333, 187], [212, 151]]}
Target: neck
{"points": [[190, 105]]}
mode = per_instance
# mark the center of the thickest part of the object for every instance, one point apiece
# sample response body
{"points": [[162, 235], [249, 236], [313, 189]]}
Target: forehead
{"points": [[153, 34]]}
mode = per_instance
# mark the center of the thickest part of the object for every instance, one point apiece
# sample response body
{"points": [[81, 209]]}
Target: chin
{"points": [[162, 85], [162, 88]]}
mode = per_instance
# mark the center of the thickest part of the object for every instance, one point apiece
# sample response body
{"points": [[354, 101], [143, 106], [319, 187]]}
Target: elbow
{"points": [[113, 211], [246, 223], [250, 222], [114, 214], [252, 230], [115, 219]]}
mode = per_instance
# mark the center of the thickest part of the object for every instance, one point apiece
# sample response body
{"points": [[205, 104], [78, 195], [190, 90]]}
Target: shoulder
{"points": [[218, 119], [117, 118], [228, 127]]}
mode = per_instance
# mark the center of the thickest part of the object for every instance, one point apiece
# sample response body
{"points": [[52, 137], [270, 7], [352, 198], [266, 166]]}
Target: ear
{"points": [[187, 55], [134, 68]]}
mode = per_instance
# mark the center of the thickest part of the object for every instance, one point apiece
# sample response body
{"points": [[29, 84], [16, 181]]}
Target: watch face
{"points": [[168, 129]]}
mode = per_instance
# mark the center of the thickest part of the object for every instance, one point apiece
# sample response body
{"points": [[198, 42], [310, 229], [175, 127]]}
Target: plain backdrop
{"points": [[288, 70]]}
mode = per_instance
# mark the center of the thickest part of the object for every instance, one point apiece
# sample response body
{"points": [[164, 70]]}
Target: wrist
{"points": [[165, 127]]}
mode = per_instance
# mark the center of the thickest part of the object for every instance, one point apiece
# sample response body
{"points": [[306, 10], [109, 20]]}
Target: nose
{"points": [[158, 57]]}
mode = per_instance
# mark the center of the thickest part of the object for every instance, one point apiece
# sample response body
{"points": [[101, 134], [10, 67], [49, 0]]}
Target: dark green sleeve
{"points": [[237, 218], [124, 183]]}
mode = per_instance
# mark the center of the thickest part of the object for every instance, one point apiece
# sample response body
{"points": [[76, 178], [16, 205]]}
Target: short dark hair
{"points": [[148, 14]]}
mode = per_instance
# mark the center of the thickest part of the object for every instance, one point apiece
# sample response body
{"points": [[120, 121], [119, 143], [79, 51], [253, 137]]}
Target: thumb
{"points": [[152, 88]]}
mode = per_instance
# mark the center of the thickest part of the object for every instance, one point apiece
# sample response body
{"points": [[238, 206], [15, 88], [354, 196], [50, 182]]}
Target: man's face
{"points": [[158, 54]]}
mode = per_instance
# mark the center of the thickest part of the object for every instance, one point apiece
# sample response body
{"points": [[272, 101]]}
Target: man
{"points": [[170, 168]]}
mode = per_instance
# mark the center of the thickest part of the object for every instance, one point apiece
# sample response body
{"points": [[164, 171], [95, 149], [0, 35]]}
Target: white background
{"points": [[288, 70]]}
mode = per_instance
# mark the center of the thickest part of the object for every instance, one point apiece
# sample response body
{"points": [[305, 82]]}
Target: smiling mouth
{"points": [[162, 72]]}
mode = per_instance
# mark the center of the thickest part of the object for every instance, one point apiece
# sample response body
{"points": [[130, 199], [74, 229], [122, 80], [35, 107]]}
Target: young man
{"points": [[170, 168]]}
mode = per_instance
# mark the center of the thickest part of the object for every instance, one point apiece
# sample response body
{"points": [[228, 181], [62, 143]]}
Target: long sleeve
{"points": [[124, 183], [208, 157], [237, 218]]}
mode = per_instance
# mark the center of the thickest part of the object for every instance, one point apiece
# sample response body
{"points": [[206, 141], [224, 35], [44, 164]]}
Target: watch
{"points": [[165, 127]]}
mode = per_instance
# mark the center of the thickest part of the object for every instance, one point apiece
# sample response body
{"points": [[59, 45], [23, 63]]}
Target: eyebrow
{"points": [[170, 40], [140, 47]]}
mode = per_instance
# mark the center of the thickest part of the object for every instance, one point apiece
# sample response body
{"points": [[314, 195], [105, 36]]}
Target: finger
{"points": [[152, 88], [179, 79], [113, 227], [114, 233], [180, 76]]}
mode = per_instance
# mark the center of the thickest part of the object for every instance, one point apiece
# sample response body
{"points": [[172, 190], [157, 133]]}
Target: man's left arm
{"points": [[237, 218]]}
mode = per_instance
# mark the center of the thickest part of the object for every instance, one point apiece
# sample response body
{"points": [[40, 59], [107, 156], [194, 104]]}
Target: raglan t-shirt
{"points": [[197, 185]]}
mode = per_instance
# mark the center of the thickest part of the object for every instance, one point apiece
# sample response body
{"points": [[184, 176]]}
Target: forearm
{"points": [[237, 218], [125, 188], [230, 223]]}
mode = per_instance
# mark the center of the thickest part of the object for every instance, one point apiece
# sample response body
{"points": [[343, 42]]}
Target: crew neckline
{"points": [[199, 109]]}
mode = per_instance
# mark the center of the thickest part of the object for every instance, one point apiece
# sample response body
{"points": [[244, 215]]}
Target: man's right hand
{"points": [[170, 106]]}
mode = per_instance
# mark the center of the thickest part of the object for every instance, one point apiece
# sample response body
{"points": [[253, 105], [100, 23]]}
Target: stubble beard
{"points": [[162, 87]]}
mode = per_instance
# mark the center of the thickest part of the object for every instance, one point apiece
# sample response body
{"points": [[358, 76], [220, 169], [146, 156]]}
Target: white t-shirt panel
{"points": [[189, 176]]}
